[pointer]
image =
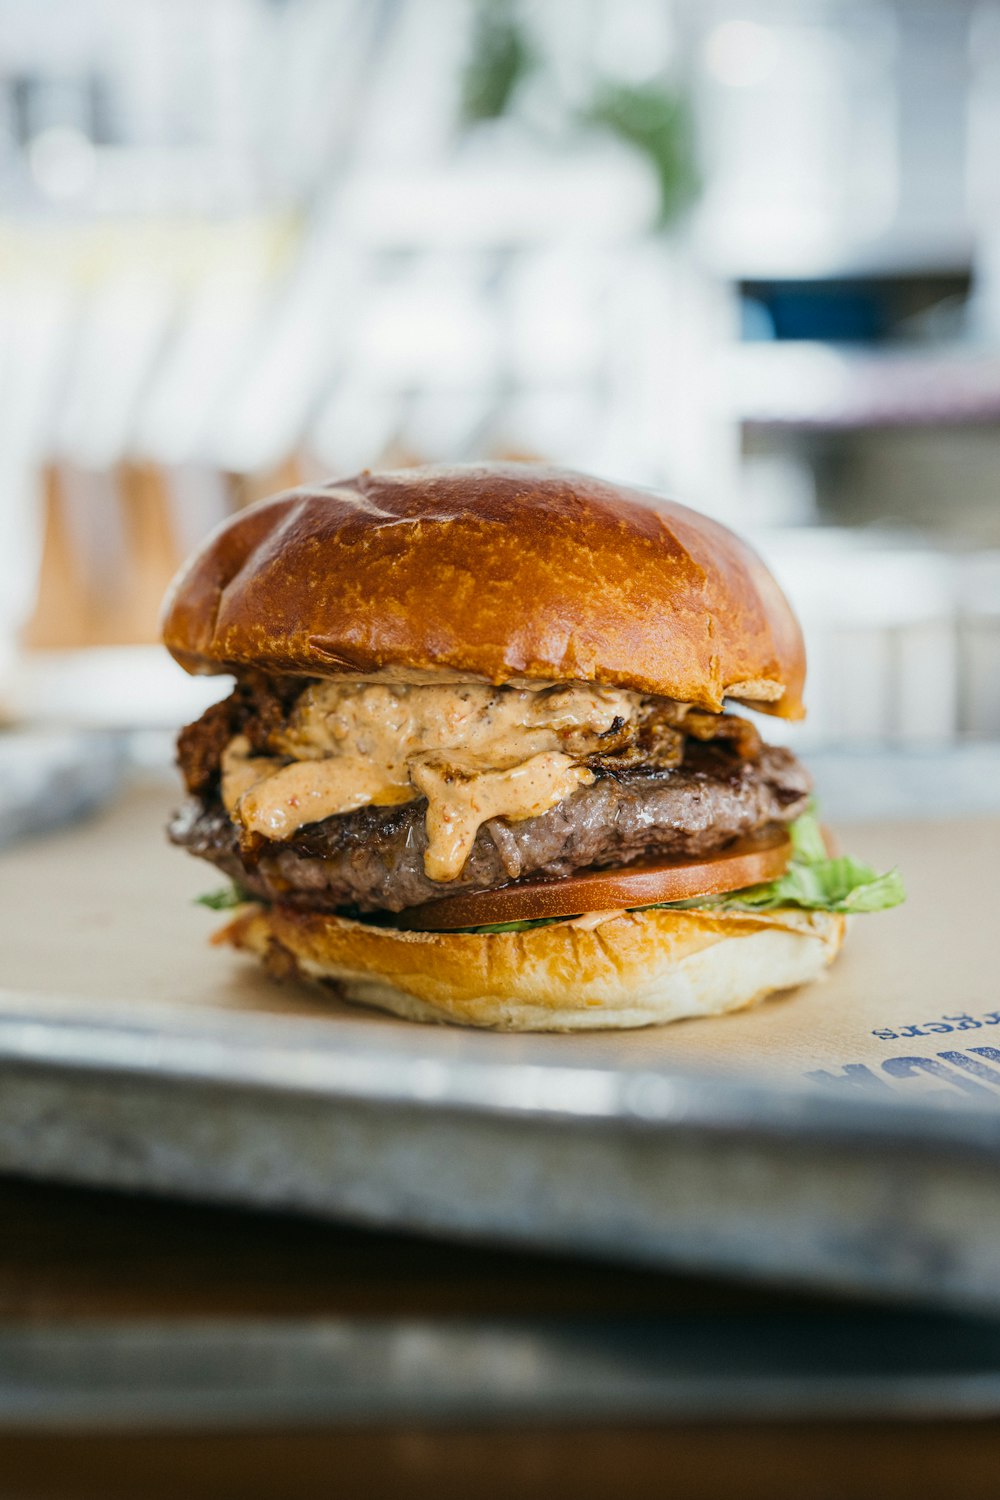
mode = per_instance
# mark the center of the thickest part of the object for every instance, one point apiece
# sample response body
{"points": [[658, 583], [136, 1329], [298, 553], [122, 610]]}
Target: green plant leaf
{"points": [[501, 57], [657, 121]]}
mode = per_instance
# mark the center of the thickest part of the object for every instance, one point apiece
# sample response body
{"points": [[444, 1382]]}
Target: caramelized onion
{"points": [[761, 856]]}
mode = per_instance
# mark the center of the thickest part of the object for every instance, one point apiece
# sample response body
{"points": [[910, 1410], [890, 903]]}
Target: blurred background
{"points": [[746, 252]]}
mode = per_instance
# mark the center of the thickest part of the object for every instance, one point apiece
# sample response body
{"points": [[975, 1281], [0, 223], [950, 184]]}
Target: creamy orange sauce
{"points": [[475, 752], [459, 803], [241, 770], [393, 723], [276, 800], [592, 919]]}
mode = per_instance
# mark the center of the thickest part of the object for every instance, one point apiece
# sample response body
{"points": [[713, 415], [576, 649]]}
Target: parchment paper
{"points": [[105, 913]]}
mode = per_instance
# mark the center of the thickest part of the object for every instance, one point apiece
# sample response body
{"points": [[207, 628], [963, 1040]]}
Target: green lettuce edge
{"points": [[225, 898], [813, 881]]}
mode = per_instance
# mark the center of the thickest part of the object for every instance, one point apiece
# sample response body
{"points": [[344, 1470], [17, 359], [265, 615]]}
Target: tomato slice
{"points": [[760, 856]]}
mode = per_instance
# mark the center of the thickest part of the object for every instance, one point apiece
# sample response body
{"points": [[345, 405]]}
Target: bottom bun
{"points": [[640, 968]]}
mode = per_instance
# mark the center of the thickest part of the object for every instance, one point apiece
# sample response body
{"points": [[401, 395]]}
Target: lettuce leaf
{"points": [[515, 926], [225, 898], [813, 881], [843, 884], [808, 843]]}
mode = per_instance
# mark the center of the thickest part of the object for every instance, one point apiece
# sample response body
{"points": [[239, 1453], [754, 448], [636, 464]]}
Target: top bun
{"points": [[496, 571]]}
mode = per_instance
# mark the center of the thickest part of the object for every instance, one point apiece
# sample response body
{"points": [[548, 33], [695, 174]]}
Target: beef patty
{"points": [[372, 859]]}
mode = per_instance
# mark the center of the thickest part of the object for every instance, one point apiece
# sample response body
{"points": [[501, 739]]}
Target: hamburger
{"points": [[484, 760]]}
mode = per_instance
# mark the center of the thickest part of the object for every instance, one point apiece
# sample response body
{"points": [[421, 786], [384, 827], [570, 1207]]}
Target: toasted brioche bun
{"points": [[635, 969], [494, 571]]}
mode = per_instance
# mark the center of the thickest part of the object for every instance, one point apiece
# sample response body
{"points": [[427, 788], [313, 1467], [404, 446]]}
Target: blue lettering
{"points": [[909, 1067], [977, 1069], [853, 1073]]}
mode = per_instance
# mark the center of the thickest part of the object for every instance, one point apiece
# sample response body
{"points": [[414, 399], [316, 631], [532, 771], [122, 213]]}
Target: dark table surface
{"points": [[69, 1256]]}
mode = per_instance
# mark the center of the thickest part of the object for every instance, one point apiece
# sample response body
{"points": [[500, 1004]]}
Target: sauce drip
{"points": [[458, 803]]}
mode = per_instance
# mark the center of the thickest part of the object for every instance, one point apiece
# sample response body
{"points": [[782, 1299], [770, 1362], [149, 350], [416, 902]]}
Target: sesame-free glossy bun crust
{"points": [[642, 968], [498, 571]]}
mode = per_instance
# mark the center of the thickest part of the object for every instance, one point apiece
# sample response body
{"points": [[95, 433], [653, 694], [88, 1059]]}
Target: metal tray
{"points": [[433, 1131]]}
